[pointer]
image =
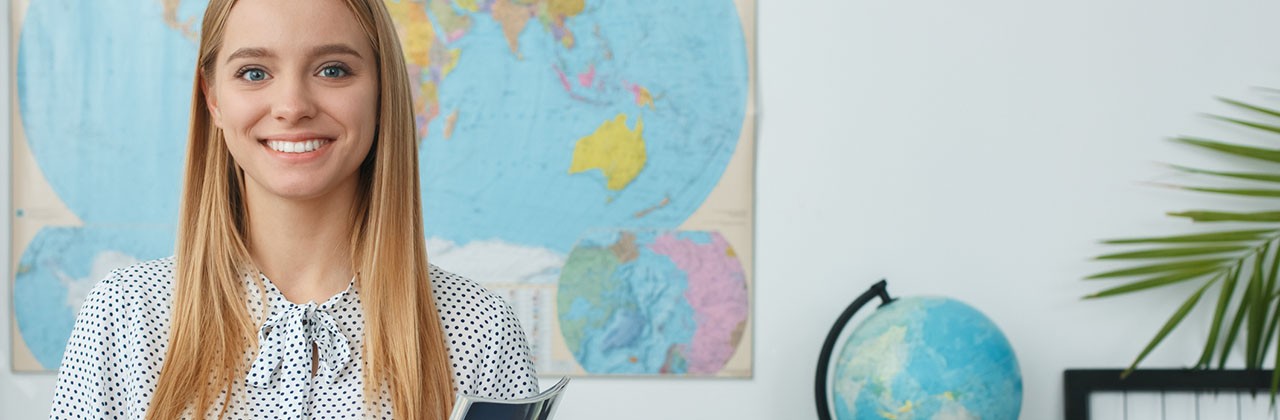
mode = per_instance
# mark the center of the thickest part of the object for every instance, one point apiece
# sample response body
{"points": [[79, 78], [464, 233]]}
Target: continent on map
{"points": [[427, 58], [717, 292], [614, 149], [653, 302], [515, 15], [454, 24]]}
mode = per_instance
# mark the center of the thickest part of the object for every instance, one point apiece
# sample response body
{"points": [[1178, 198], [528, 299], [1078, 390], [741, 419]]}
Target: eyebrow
{"points": [[327, 49]]}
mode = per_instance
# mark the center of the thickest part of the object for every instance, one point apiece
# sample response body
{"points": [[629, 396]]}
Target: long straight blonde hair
{"points": [[211, 328]]}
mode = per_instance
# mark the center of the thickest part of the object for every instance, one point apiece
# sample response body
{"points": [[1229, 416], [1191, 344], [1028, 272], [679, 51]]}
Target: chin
{"points": [[299, 189]]}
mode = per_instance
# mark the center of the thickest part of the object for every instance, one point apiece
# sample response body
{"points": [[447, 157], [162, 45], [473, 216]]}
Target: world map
{"points": [[538, 121]]}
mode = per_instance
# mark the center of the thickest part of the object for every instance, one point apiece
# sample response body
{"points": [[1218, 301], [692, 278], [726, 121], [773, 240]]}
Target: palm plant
{"points": [[1240, 266]]}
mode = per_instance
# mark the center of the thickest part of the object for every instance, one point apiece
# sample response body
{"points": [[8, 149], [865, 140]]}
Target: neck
{"points": [[302, 245]]}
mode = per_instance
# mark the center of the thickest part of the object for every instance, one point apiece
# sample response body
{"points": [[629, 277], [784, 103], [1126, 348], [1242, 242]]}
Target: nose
{"points": [[294, 102]]}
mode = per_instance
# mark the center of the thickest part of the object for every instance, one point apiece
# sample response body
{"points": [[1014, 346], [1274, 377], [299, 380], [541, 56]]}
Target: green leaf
{"points": [[1224, 299], [1257, 312], [1250, 124], [1247, 192], [1221, 216], [1174, 252], [1226, 236], [1237, 175], [1269, 287], [1254, 108], [1269, 155], [1275, 380], [1157, 281], [1271, 330], [1234, 331], [1163, 267], [1168, 326]]}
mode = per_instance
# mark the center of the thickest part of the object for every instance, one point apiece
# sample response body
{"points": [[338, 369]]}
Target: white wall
{"points": [[974, 149]]}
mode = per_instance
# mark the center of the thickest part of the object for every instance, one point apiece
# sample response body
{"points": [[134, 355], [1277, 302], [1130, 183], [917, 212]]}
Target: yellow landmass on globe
{"points": [[614, 149]]}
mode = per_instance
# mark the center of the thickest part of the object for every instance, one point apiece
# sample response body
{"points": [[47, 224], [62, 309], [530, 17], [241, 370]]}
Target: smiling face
{"points": [[295, 91]]}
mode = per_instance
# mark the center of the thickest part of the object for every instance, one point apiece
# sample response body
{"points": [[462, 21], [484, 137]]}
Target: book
{"points": [[537, 407]]}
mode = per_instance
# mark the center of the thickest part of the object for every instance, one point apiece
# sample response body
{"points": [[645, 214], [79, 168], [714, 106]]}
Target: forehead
{"points": [[292, 27]]}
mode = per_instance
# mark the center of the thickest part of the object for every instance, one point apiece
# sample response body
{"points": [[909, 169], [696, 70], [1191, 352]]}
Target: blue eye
{"points": [[333, 72], [252, 75]]}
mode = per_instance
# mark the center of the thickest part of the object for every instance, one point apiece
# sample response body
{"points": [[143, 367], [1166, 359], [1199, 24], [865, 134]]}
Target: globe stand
{"points": [[880, 289]]}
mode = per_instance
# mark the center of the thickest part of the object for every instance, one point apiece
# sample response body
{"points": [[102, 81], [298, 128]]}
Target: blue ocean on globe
{"points": [[926, 358]]}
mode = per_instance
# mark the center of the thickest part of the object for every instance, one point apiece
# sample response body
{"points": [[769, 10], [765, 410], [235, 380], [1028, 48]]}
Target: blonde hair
{"points": [[211, 328]]}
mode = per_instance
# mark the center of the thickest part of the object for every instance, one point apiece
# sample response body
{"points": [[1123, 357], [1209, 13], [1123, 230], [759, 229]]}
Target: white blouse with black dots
{"points": [[120, 338]]}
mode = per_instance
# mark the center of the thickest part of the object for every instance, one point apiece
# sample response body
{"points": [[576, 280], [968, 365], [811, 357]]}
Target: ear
{"points": [[211, 101]]}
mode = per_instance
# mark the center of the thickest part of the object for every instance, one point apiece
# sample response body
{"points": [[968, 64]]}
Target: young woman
{"points": [[300, 287]]}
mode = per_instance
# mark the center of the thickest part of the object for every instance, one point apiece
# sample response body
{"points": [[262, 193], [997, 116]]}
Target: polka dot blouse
{"points": [[118, 345]]}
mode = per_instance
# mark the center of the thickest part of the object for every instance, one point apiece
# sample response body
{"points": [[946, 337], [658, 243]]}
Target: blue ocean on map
{"points": [[504, 173]]}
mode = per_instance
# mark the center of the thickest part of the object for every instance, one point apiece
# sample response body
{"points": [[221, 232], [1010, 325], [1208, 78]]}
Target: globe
{"points": [[924, 358]]}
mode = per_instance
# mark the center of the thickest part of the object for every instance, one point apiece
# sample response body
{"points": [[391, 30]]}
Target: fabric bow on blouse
{"points": [[284, 346]]}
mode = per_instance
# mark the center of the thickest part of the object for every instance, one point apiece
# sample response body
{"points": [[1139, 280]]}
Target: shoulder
{"points": [[115, 340], [144, 282], [137, 293], [487, 346], [462, 298]]}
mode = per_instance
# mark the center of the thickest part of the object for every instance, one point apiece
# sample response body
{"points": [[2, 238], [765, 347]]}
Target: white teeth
{"points": [[295, 146]]}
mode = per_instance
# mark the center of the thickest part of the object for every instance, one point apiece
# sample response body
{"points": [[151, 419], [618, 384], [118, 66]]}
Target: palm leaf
{"points": [[1254, 108], [1164, 280], [1270, 288], [1224, 299], [1169, 325], [1234, 330], [1222, 216], [1237, 175], [1174, 252], [1227, 236], [1269, 155], [1246, 261], [1275, 378], [1250, 124], [1257, 311], [1247, 192], [1160, 268]]}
